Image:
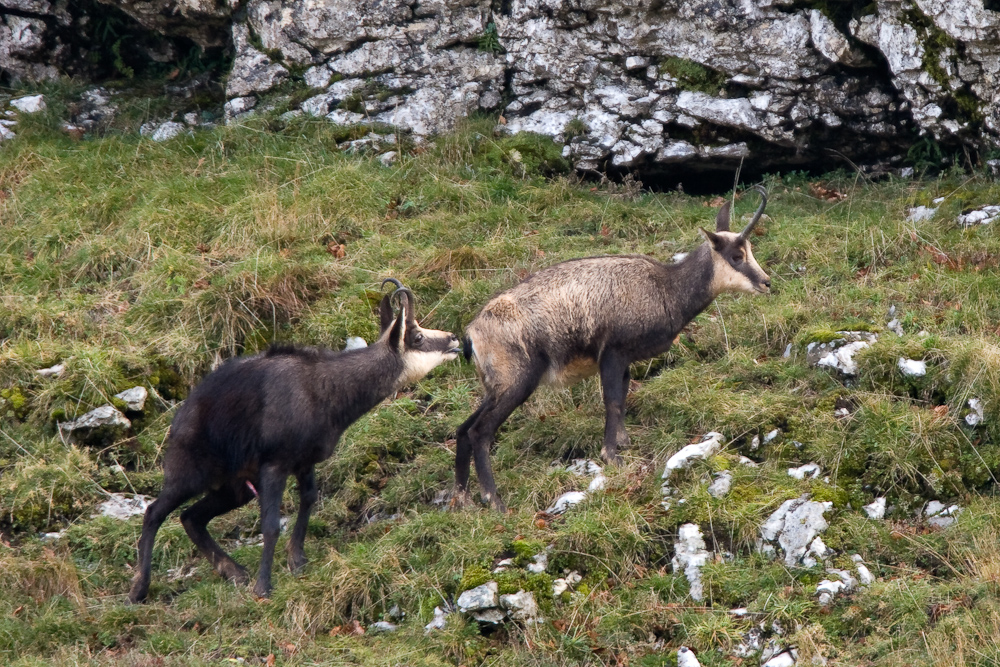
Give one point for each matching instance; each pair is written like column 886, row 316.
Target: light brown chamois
column 586, row 316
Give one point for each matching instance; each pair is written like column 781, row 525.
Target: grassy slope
column 141, row 263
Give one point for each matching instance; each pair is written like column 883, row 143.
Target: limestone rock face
column 625, row 84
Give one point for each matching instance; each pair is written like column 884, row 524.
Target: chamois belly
column 577, row 369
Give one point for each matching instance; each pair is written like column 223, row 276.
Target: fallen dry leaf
column 716, row 202
column 825, row 193
column 336, row 249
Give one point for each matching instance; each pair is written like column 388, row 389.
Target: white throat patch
column 417, row 364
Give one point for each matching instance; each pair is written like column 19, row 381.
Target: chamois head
column 421, row 349
column 735, row 268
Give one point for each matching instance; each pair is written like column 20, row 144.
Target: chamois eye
column 418, row 338
column 737, row 258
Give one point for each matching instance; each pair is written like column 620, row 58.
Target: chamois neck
column 691, row 283
column 371, row 374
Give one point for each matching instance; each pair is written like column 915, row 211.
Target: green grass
column 133, row 262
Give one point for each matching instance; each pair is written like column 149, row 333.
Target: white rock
column 981, row 216
column 976, row 417
column 597, row 484
column 809, row 470
column 239, row 107
column 106, row 415
column 52, row 371
column 828, row 589
column 722, row 484
column 839, row 354
column 521, row 606
column 382, row 627
column 794, row 527
column 541, row 561
column 690, row 556
column 710, row 445
column 29, row 104
column 875, row 509
column 912, row 367
column 687, row 658
column 840, row 413
column 317, row 76
column 354, row 343
column 939, row 515
column 865, row 576
column 438, row 622
column 503, row 565
column 52, row 537
column 895, row 327
column 479, row 598
column 135, row 398
column 121, row 506
column 6, row 134
column 920, row 213
column 783, row 659
column 388, row 158
column 565, row 501
column 770, row 436
column 748, row 462
column 167, row 130
column 584, row 467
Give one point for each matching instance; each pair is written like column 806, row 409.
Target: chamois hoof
column 235, row 573
column 460, row 499
column 297, row 563
column 262, row 591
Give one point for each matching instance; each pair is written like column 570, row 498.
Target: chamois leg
column 271, row 489
column 463, row 458
column 307, row 498
column 483, row 431
column 195, row 520
column 170, row 498
column 614, row 383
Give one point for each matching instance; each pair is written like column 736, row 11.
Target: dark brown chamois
column 586, row 316
column 256, row 420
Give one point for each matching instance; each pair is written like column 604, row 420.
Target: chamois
column 256, row 420
column 586, row 316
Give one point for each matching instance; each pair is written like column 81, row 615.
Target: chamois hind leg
column 614, row 383
column 171, row 497
column 463, row 458
column 307, row 498
column 482, row 432
column 271, row 488
column 195, row 520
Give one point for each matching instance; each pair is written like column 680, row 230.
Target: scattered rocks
column 938, row 515
column 95, row 110
column 479, row 600
column 875, row 509
column 382, row 627
column 438, row 622
column 807, row 471
column 710, row 445
column 388, row 158
column 895, row 327
column 135, row 398
column 6, row 133
column 976, row 415
column 563, row 584
column 920, row 213
column 355, row 343
column 786, row 658
column 687, row 658
column 864, row 574
column 521, row 606
column 565, row 501
column 29, row 104
column 239, row 107
column 539, row 563
column 979, row 216
column 104, row 416
column 167, row 131
column 828, row 589
column 690, row 555
column 52, row 371
column 839, row 354
column 581, row 468
column 483, row 605
column 795, row 528
column 722, row 484
column 121, row 506
column 912, row 367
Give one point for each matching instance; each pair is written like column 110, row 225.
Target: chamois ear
column 385, row 314
column 722, row 219
column 712, row 238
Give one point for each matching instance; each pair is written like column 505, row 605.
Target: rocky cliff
column 648, row 85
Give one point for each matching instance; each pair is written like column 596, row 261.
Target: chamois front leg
column 614, row 384
column 307, row 498
column 271, row 489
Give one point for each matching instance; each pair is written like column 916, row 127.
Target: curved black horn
column 756, row 216
column 395, row 282
column 406, row 291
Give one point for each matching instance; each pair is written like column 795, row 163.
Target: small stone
column 939, row 515
column 503, row 565
column 395, row 614
column 382, row 627
column 687, row 658
column 191, row 119
column 52, row 371
column 135, row 398
column 771, row 436
column 994, row 166
column 809, row 470
column 239, row 106
column 976, row 417
column 388, row 158
column 876, row 509
column 895, row 327
column 438, row 622
column 120, row 506
column 541, row 561
column 636, row 62
column 106, row 415
column 906, row 172
column 584, row 467
column 597, row 484
column 167, row 131
column 783, row 659
column 794, row 527
column 690, row 555
column 565, row 501
column 52, row 537
column 29, row 104
column 864, row 574
column 722, row 484
column 355, row 343
column 981, row 216
column 788, row 351
column 479, row 598
column 912, row 367
column 6, row 134
column 521, row 606
column 920, row 213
